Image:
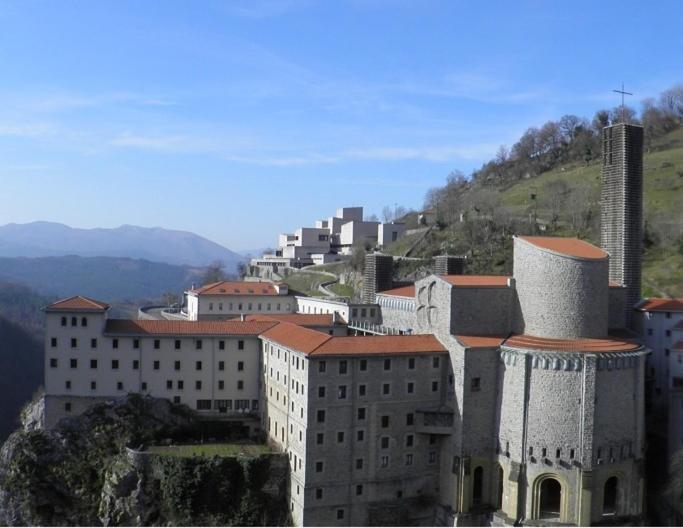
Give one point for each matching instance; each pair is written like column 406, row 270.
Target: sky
column 238, row 120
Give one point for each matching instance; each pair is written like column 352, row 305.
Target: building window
column 240, row 344
column 53, row 342
column 475, row 384
column 319, row 493
column 73, row 363
column 321, row 392
column 340, row 437
column 411, row 387
column 144, row 385
column 240, row 385
column 410, row 440
column 386, row 389
column 198, row 365
column 136, row 343
column 177, row 344
column 341, row 393
column 343, row 367
column 435, row 386
column 176, row 400
column 74, row 321
column 74, row 342
column 363, row 366
column 387, row 364
column 156, row 365
column 221, row 365
column 240, row 366
column 361, row 413
column 119, row 385
column 649, row 331
column 198, row 344
column 384, row 442
column 436, row 362
column 320, row 438
column 359, row 463
column 181, row 384
column 322, row 366
column 319, row 467
column 385, row 421
column 410, row 419
column 384, row 462
column 176, row 365
column 198, row 385
column 360, row 436
column 359, row 489
column 115, row 343
column 221, row 385
column 93, row 342
column 136, row 364
column 409, row 459
column 169, row 384
column 114, row 364
column 432, row 457
column 340, row 514
column 157, row 344
column 361, row 390
column 53, row 362
column 321, row 416
column 67, row 384
column 93, row 364
column 63, row 321
column 221, row 345
column 411, row 363
column 203, row 405
column 67, row 407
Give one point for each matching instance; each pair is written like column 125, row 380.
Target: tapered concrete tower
column 622, row 207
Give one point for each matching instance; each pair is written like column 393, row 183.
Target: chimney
column 243, row 317
column 449, row 265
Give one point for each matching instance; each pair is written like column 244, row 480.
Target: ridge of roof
column 658, row 304
column 145, row 327
column 236, row 288
column 77, row 303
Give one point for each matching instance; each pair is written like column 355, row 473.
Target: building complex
column 477, row 399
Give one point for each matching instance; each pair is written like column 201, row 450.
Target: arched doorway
column 609, row 498
column 500, row 489
column 477, row 486
column 550, row 499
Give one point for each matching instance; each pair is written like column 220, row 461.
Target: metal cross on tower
column 623, row 93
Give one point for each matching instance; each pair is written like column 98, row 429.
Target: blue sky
column 241, row 119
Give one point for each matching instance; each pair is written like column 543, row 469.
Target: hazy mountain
column 47, row 239
column 106, row 278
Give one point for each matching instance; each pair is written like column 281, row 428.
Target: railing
column 376, row 329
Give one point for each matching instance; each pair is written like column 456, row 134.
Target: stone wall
column 560, row 296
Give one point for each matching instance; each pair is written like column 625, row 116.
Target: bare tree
column 214, row 273
column 502, row 155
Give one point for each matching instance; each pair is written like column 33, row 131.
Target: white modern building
column 330, row 238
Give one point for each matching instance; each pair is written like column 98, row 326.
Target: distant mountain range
column 47, row 239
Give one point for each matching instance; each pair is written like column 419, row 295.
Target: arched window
column 550, row 499
column 500, row 490
column 477, row 486
column 609, row 500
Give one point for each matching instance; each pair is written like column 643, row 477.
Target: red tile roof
column 236, row 288
column 380, row 345
column 297, row 319
column 570, row 345
column 78, row 304
column 661, row 305
column 314, row 343
column 296, row 337
column 572, row 247
column 404, row 291
column 476, row 281
column 186, row 328
column 481, row 341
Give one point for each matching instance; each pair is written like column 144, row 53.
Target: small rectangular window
column 359, row 463
column 136, row 364
column 198, row 365
column 74, row 342
column 322, row 366
column 115, row 364
column 157, row 344
column 410, row 419
column 321, row 392
column 119, row 385
column 221, row 345
column 359, row 489
column 176, row 344
column 411, row 387
column 198, row 344
column 340, row 437
column 436, row 362
column 343, row 367
column 136, row 343
column 176, row 365
column 410, row 440
column 93, row 342
column 240, row 344
column 115, row 343
column 320, row 438
column 321, row 416
column 198, row 385
column 361, row 390
column 156, row 365
column 363, row 365
column 386, row 389
column 169, row 384
column 387, row 364
column 181, row 384
column 385, row 421
column 411, row 363
column 341, row 392
column 53, row 342
column 361, row 413
column 475, row 384
column 53, row 362
column 221, row 385
column 240, row 385
column 240, row 366
column 93, row 363
column 435, row 386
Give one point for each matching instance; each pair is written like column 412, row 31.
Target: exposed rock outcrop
column 88, row 471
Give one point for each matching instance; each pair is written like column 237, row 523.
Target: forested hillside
column 549, row 183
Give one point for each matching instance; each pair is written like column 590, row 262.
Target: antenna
column 623, row 93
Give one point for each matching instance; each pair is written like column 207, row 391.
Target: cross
column 623, row 93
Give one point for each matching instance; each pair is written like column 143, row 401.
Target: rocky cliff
column 89, row 470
